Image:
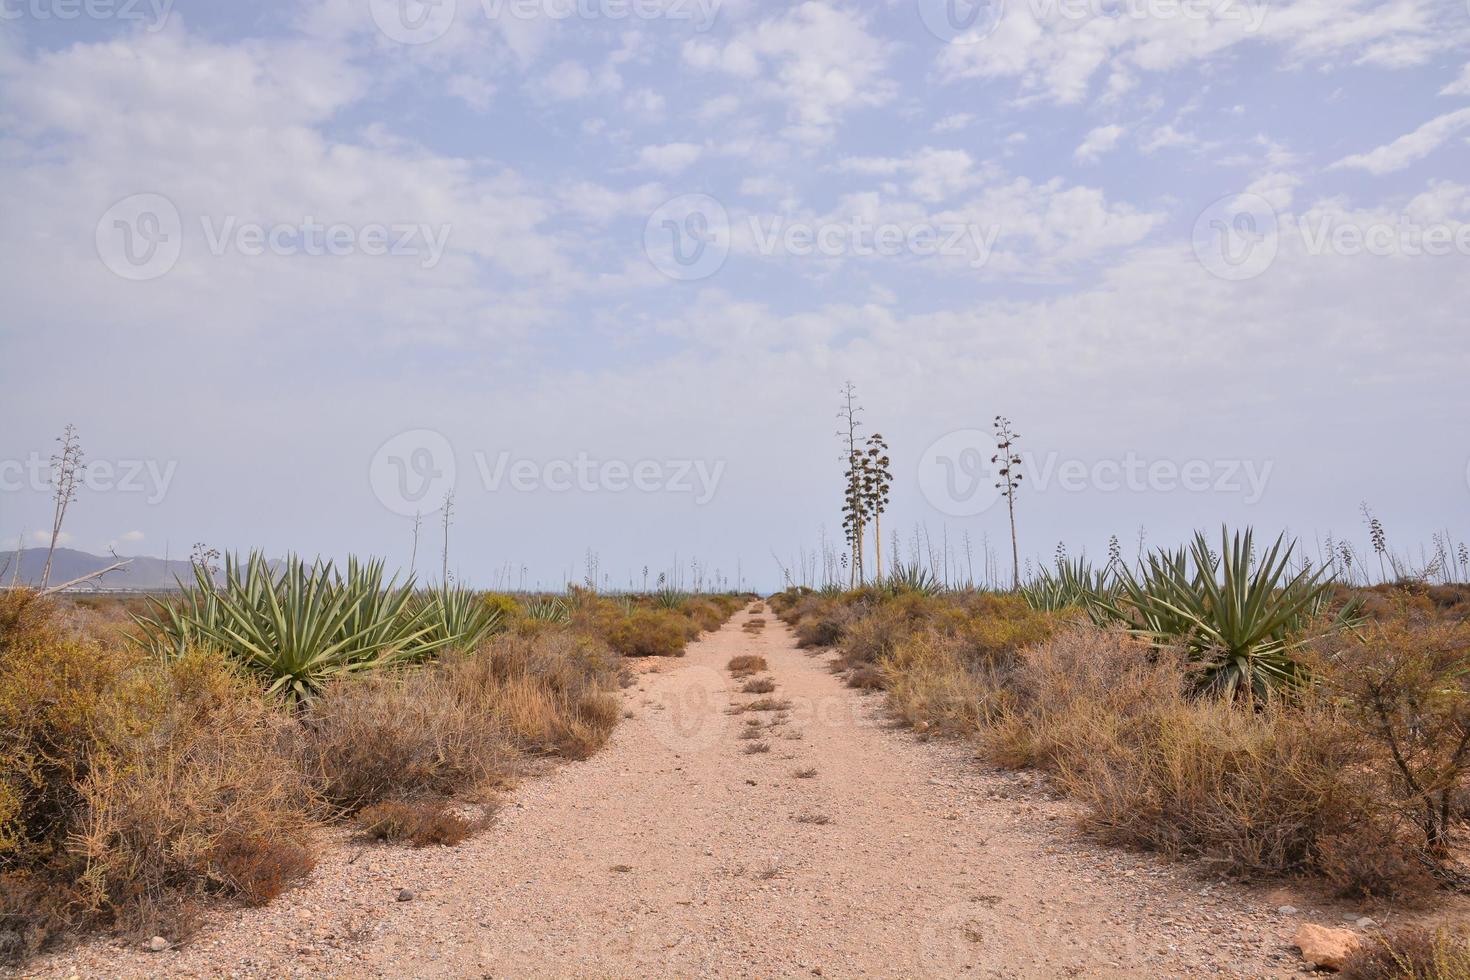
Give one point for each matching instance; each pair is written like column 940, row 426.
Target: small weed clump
column 746, row 664
column 758, row 685
column 421, row 824
column 1410, row 954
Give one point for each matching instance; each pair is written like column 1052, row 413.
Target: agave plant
column 300, row 627
column 548, row 610
column 455, row 617
column 1239, row 620
column 669, row 598
column 1074, row 583
column 912, row 578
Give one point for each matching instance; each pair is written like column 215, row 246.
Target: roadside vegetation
column 155, row 756
column 1223, row 701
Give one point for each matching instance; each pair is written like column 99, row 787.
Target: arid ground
column 843, row 847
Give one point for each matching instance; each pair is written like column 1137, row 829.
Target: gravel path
column 678, row 852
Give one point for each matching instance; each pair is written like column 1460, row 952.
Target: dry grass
column 650, row 633
column 768, row 704
column 818, row 819
column 807, row 773
column 421, row 823
column 130, row 788
column 756, row 748
column 746, row 664
column 758, row 685
column 1411, row 954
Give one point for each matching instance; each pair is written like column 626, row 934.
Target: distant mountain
column 143, row 574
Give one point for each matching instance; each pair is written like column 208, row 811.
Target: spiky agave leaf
column 1239, row 620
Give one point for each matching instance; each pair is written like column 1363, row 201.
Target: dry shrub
column 874, row 635
column 1251, row 792
column 127, row 787
column 206, row 792
column 746, row 664
column 706, row 614
column 768, row 704
column 420, row 823
column 455, row 726
column 1410, row 954
column 649, row 633
column 759, row 685
column 1405, row 684
column 820, row 621
column 934, row 686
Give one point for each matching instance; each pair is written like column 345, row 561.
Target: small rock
column 405, row 895
column 1367, row 923
column 157, row 944
column 1287, row 910
column 1325, row 947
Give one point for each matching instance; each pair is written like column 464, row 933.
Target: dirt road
column 679, row 851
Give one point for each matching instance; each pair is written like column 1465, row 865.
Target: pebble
column 405, row 895
column 157, row 944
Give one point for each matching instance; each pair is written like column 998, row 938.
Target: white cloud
column 669, row 158
column 816, row 58
column 473, row 91
column 645, row 103
column 1056, row 57
column 1098, row 142
column 566, row 81
column 954, row 122
column 1460, row 86
column 1410, row 148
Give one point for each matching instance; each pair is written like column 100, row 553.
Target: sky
column 599, row 269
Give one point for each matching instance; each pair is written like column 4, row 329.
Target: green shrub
column 649, row 633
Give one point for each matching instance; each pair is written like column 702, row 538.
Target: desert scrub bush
column 1404, row 682
column 758, row 685
column 1410, row 954
column 820, row 621
column 128, row 786
column 422, row 823
column 457, row 726
column 649, row 633
column 1253, row 792
column 872, row 636
column 934, row 686
column 707, row 615
column 746, row 664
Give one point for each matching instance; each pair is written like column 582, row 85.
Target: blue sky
column 1158, row 234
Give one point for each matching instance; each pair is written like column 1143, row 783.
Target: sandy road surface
column 675, row 852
